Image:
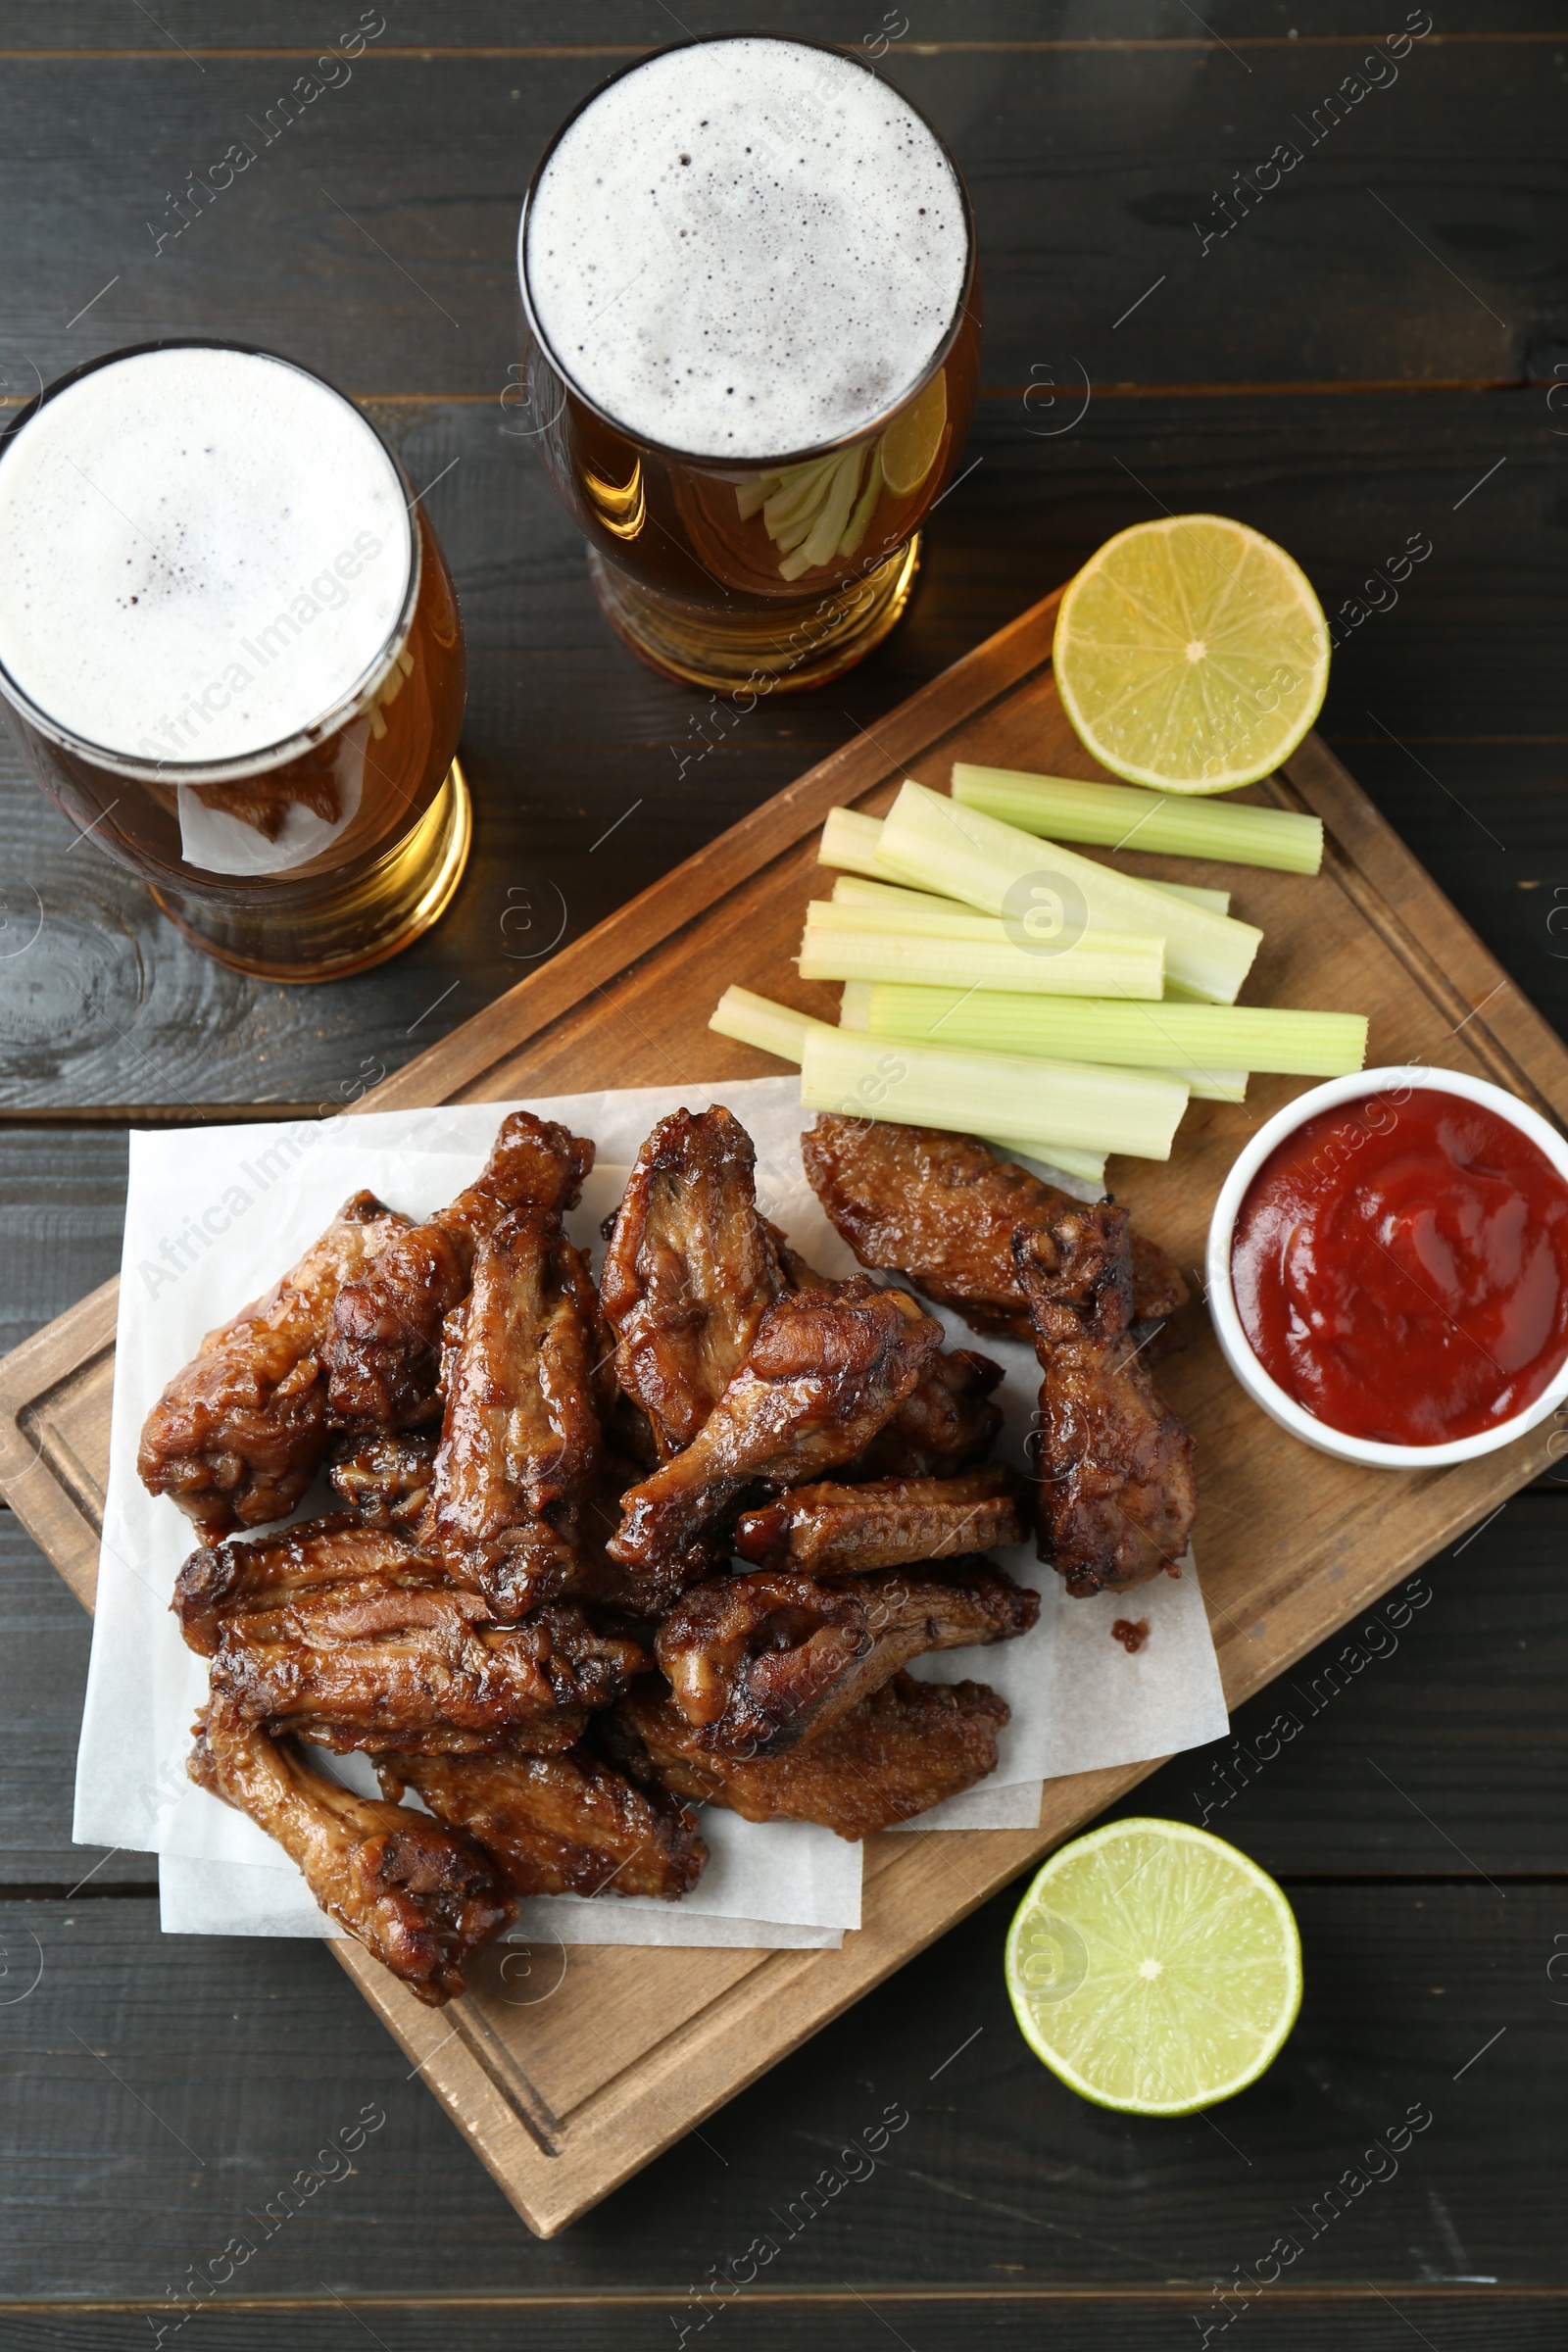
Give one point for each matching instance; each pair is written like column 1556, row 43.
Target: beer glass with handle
column 749, row 278
column 230, row 652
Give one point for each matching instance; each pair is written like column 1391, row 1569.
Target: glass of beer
column 230, row 652
column 750, row 283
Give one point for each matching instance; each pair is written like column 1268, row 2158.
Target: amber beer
column 748, row 276
column 230, row 652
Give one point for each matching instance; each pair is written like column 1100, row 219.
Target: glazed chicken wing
column 1117, row 1497
column 690, row 1271
column 828, row 1530
column 378, row 1666
column 418, row 1897
column 826, row 1371
column 237, row 1436
column 383, row 1477
column 943, row 1210
column 560, row 1825
column 759, row 1663
column 298, row 1564
column 896, row 1754
column 384, row 1348
column 528, row 1376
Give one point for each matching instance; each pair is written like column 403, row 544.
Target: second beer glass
column 749, row 274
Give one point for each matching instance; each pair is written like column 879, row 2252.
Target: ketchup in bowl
column 1402, row 1269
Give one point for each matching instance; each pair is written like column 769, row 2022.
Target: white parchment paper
column 214, row 1216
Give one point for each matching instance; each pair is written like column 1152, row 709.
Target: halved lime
column 913, row 441
column 1190, row 655
column 1154, row 1967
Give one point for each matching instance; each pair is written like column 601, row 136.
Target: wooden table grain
column 1377, row 349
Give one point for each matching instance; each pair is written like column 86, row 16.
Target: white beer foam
column 202, row 552
column 745, row 249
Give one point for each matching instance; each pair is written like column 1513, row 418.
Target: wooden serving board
column 564, row 2097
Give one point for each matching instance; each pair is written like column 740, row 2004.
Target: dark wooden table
column 1375, row 350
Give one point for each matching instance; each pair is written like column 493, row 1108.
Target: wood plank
column 1133, row 134
column 1292, row 1543
column 999, row 2181
column 566, row 733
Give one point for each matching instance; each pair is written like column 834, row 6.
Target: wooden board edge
column 44, row 1501
column 1449, row 956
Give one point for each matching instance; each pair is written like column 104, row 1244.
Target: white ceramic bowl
column 1397, row 1085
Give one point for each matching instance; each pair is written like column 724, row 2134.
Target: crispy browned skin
column 302, row 1563
column 560, row 1825
column 941, row 1209
column 758, row 1663
column 689, row 1272
column 1117, row 1495
column 237, row 1436
column 825, row 1371
column 418, row 1897
column 896, row 1754
column 384, row 1348
column 946, row 1421
column 389, row 1663
column 528, row 1376
column 383, row 1477
column 838, row 1530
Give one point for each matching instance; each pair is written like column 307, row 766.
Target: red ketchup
column 1402, row 1268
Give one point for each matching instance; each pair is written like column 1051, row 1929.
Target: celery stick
column 918, row 916
column 855, row 1006
column 1101, row 963
column 1119, row 816
column 935, row 844
column 759, row 1021
column 1088, row 1166
column 1215, row 1086
column 1212, row 901
column 1164, row 1036
column 855, row 890
column 1071, row 1103
column 849, row 840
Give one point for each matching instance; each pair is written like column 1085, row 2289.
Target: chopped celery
column 849, row 841
column 1088, row 1166
column 759, row 1021
column 1224, row 1038
column 1119, row 816
column 1101, row 963
column 1073, row 1104
column 938, row 843
column 855, row 1006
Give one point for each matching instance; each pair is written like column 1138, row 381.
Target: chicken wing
column 528, row 1377
column 381, row 1665
column 1117, row 1497
column 689, row 1273
column 896, row 1754
column 943, row 1210
column 830, row 1529
column 384, row 1348
column 384, row 1477
column 237, row 1436
column 302, row 1563
column 418, row 1897
column 560, row 1825
column 825, row 1372
column 759, row 1663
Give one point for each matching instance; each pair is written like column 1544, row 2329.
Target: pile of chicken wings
column 528, row 1610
